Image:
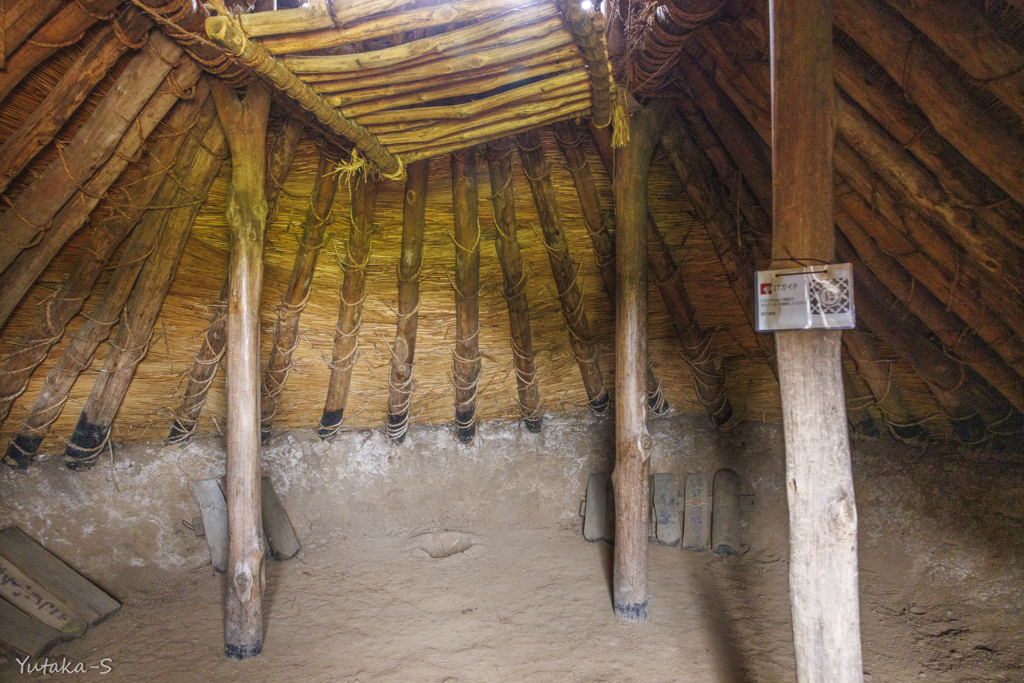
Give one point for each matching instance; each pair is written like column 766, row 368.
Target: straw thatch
column 727, row 48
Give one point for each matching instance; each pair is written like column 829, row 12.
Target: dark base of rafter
column 330, row 421
column 84, row 445
column 242, row 651
column 911, row 433
column 866, row 429
column 635, row 612
column 178, row 435
column 657, row 403
column 723, row 416
column 265, row 436
column 465, row 434
column 600, row 404
column 395, row 421
column 21, row 450
column 970, row 430
column 534, row 424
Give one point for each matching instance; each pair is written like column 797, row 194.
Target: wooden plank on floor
column 666, row 509
column 215, row 520
column 696, row 513
column 26, row 593
column 595, row 518
column 276, row 526
column 24, row 633
column 80, row 595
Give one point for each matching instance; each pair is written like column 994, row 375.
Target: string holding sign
column 808, row 298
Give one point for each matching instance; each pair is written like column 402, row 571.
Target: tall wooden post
column 632, row 442
column 822, row 514
column 404, row 352
column 245, row 123
column 466, row 354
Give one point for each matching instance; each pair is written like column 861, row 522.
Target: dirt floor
column 942, row 585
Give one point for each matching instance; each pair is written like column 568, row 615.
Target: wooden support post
column 563, row 268
column 22, row 225
column 245, row 123
column 61, row 308
column 70, row 91
column 286, row 330
column 632, row 442
column 403, row 353
column 822, row 512
column 596, row 220
column 131, row 343
column 499, row 164
column 32, row 261
column 362, row 203
column 211, row 350
column 57, row 387
column 709, row 381
column 466, row 353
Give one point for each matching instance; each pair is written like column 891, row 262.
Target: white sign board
column 811, row 298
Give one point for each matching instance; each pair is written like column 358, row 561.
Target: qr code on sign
column 830, row 296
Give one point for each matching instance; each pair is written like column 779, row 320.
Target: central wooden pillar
column 632, row 442
column 819, row 480
column 245, row 124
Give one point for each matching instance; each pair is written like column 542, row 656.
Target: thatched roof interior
column 739, row 30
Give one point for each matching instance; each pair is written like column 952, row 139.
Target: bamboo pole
column 16, row 280
column 31, row 214
column 76, row 358
column 595, row 220
column 892, row 403
column 131, row 342
column 383, row 25
column 245, row 124
column 36, row 131
column 64, row 28
column 61, row 308
column 504, row 25
column 363, row 200
column 211, row 350
column 358, row 103
column 466, row 352
column 894, row 43
column 632, row 442
column 499, row 165
column 486, row 53
column 403, row 353
column 956, row 337
column 502, row 123
column 225, row 34
column 563, row 268
column 286, row 331
column 709, row 381
column 822, row 512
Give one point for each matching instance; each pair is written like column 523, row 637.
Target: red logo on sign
column 766, row 288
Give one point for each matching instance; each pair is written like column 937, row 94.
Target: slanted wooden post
column 499, row 164
column 632, row 442
column 822, row 513
column 245, row 123
column 466, row 354
column 204, row 365
column 286, row 331
column 564, row 269
column 362, row 204
column 595, row 220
